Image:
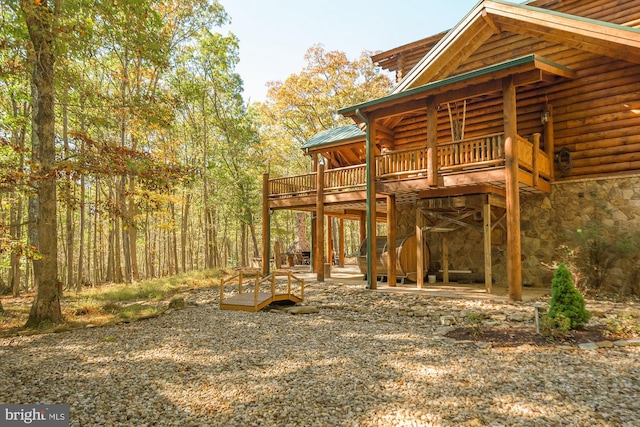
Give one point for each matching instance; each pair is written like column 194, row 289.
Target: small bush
column 566, row 301
column 555, row 329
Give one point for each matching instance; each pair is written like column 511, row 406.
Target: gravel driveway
column 364, row 359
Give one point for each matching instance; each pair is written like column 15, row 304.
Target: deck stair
column 253, row 292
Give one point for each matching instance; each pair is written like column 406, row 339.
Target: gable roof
column 491, row 17
column 333, row 136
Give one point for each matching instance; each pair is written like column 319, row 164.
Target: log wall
column 596, row 115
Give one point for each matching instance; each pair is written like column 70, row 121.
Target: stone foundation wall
column 547, row 222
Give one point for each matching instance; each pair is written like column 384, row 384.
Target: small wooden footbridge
column 254, row 292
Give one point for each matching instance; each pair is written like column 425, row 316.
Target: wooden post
column 372, row 274
column 318, row 255
column 363, row 226
column 391, row 240
column 535, row 156
column 549, row 141
column 330, row 241
column 419, row 250
column 314, row 244
column 341, row 243
column 266, row 239
column 432, row 142
column 486, row 217
column 445, row 259
column 514, row 262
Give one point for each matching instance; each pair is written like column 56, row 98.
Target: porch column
column 432, row 142
column 419, row 249
column 319, row 246
column 486, row 219
column 341, row 243
column 266, row 222
column 549, row 142
column 391, row 240
column 514, row 262
column 372, row 274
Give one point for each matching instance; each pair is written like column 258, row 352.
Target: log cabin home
column 500, row 136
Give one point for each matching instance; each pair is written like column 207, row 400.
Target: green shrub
column 566, row 301
column 555, row 329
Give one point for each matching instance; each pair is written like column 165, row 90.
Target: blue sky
column 275, row 34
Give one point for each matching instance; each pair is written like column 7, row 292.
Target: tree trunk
column 67, row 194
column 40, row 18
column 183, row 232
column 15, row 215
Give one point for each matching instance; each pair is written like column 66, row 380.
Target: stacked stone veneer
column 548, row 221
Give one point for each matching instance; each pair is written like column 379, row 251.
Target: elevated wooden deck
column 251, row 298
column 474, row 162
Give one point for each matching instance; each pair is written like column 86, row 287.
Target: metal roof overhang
column 525, row 70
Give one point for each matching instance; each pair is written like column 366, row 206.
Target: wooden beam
column 486, row 217
column 266, row 241
column 432, row 142
column 461, row 191
column 318, row 255
column 391, row 240
column 514, row 262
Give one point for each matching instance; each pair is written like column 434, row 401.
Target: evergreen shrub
column 567, row 303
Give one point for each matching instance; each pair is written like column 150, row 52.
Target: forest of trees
column 127, row 150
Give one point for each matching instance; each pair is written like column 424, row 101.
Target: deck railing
column 402, row 163
column 455, row 156
column 485, row 151
column 345, row 178
column 297, row 185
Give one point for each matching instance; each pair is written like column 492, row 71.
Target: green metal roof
column 331, row 136
column 448, row 81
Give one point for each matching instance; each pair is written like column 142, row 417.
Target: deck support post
column 319, row 246
column 363, row 226
column 419, row 249
column 445, row 259
column 432, row 142
column 514, row 250
column 372, row 278
column 534, row 159
column 266, row 224
column 549, row 142
column 341, row 243
column 486, row 219
column 391, row 240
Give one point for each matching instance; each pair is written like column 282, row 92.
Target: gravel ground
column 364, row 359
